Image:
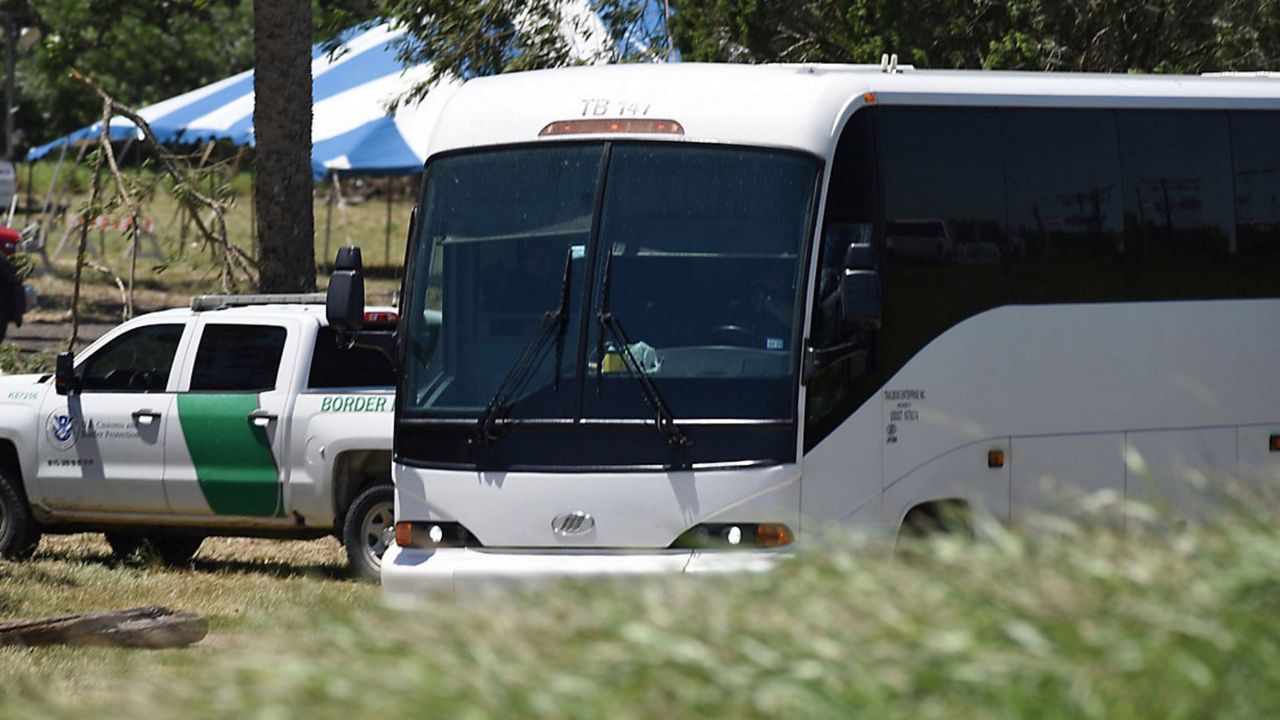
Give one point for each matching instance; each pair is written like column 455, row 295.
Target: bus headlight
column 433, row 535
column 727, row 536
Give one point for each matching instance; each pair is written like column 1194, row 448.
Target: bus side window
column 836, row 386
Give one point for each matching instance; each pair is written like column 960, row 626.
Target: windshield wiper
column 664, row 418
column 554, row 323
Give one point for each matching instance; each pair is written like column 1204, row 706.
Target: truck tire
column 19, row 533
column 124, row 545
column 173, row 550
column 367, row 531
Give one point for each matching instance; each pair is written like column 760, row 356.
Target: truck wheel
column 368, row 530
column 175, row 549
column 170, row 549
column 124, row 545
column 19, row 533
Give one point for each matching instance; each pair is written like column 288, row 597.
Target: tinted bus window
column 838, row 387
column 1177, row 185
column 1255, row 137
column 945, row 232
column 1066, row 209
column 944, row 185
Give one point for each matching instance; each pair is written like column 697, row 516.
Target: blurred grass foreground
column 1108, row 615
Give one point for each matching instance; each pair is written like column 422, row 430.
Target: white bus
column 653, row 322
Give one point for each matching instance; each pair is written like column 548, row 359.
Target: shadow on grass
column 273, row 568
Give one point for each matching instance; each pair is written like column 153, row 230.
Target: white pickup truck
column 243, row 415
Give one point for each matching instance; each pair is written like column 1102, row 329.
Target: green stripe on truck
column 232, row 457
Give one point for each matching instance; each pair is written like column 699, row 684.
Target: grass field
column 1138, row 619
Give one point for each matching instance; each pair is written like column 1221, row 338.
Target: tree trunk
column 282, row 186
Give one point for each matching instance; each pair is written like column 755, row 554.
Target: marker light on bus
column 995, row 458
column 735, row 535
column 432, row 535
column 596, row 126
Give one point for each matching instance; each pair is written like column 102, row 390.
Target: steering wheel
column 733, row 335
column 141, row 380
column 118, row 379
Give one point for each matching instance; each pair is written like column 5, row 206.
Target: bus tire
column 367, row 531
column 19, row 533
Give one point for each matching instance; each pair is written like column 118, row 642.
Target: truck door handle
column 145, row 417
column 261, row 418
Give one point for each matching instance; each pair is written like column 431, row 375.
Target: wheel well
column 9, row 461
column 353, row 472
column 936, row 517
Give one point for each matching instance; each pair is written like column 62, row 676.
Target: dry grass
column 246, row 588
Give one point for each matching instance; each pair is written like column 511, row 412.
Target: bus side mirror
column 65, row 381
column 860, row 298
column 344, row 303
column 860, row 288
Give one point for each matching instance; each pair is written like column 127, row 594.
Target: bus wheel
column 368, row 530
column 19, row 533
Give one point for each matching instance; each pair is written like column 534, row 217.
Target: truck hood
column 23, row 390
column 14, row 382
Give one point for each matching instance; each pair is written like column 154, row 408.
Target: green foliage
column 1111, row 617
column 139, row 51
column 488, row 37
column 1188, row 36
column 12, row 362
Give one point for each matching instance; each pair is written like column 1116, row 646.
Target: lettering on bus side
column 355, row 403
column 900, row 408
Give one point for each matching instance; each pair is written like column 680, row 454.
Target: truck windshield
column 695, row 251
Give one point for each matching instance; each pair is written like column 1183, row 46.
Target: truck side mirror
column 860, row 288
column 65, row 381
column 344, row 303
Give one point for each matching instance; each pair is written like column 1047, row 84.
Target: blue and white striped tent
column 351, row 130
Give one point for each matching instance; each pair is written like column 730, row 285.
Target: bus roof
column 796, row 106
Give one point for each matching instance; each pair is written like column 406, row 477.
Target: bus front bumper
column 410, row 573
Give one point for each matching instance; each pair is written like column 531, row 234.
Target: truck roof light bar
column 217, row 302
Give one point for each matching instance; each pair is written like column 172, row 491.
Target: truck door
column 227, row 435
column 102, row 449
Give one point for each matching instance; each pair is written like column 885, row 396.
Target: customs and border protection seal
column 61, row 429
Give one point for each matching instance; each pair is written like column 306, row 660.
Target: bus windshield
column 694, row 252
